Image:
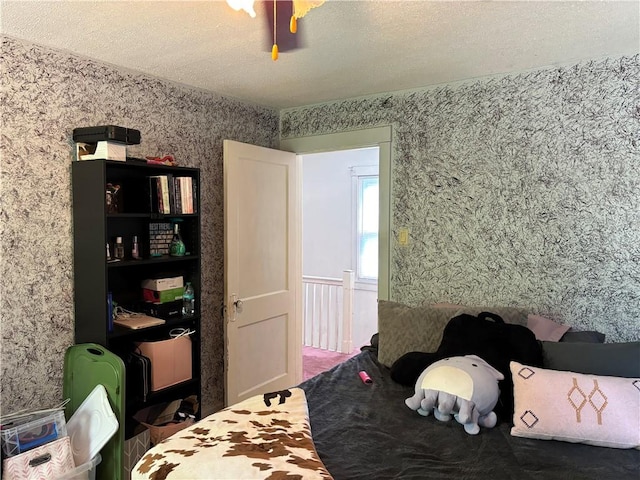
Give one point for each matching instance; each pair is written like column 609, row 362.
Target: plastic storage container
column 91, row 426
column 86, row 471
column 22, row 433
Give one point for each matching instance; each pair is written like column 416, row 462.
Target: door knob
column 238, row 305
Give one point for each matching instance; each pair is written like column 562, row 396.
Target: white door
column 262, row 270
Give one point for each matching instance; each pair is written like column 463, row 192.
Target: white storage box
column 101, row 151
column 161, row 284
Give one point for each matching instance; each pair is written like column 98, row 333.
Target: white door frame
column 370, row 137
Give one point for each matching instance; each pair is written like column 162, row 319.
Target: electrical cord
column 121, row 311
column 173, row 333
column 180, row 332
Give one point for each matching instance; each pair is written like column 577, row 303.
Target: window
column 367, row 227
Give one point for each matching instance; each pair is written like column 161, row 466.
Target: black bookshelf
column 95, row 224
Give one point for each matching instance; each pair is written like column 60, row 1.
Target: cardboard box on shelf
column 160, row 284
column 101, row 151
column 162, row 296
column 160, row 420
column 171, row 361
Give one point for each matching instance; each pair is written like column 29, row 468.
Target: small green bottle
column 177, row 248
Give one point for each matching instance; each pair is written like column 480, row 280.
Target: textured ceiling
column 352, row 48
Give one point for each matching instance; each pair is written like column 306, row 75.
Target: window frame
column 358, row 175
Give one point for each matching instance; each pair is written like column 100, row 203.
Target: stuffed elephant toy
column 465, row 387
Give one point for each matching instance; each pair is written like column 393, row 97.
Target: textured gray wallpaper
column 523, row 190
column 44, row 96
column 517, row 191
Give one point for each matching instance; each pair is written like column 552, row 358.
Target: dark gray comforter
column 366, row 432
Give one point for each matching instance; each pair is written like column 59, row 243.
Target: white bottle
column 119, row 248
column 135, row 250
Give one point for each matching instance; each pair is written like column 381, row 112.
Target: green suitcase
column 85, row 366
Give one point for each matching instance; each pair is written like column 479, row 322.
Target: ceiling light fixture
column 246, row 5
column 274, row 49
column 300, row 9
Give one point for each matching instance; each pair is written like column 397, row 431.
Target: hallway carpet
column 315, row 360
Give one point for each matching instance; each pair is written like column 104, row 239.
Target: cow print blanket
column 264, row 437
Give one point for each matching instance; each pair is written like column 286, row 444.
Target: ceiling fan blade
column 286, row 40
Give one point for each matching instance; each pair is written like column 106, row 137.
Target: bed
column 337, row 426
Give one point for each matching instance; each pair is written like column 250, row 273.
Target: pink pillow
column 546, row 329
column 577, row 408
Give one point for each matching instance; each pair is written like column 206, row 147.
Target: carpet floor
column 316, row 360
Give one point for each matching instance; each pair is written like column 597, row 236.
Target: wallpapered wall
column 45, row 94
column 523, row 190
column 517, row 191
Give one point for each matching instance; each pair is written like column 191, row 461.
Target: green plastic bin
column 85, row 366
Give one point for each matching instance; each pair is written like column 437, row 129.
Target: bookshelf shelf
column 152, row 260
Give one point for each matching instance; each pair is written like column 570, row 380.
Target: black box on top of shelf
column 111, row 133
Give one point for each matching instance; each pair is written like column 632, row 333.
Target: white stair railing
column 328, row 312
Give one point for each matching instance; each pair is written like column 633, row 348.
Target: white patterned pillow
column 574, row 407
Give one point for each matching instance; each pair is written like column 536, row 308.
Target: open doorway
column 340, row 218
column 380, row 137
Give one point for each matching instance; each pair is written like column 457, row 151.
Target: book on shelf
column 194, row 194
column 155, row 195
column 183, row 194
column 186, row 194
column 166, row 196
column 160, row 196
column 186, row 198
column 169, row 194
column 177, row 195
